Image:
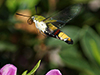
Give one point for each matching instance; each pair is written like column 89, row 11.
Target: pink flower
column 54, row 72
column 8, row 69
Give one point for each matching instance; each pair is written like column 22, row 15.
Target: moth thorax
column 40, row 25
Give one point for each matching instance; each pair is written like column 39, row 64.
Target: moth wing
column 66, row 15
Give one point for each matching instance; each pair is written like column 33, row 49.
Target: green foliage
column 90, row 44
column 26, row 4
column 6, row 46
column 25, row 72
column 83, row 56
column 33, row 70
column 72, row 56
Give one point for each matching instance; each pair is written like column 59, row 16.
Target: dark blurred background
column 22, row 45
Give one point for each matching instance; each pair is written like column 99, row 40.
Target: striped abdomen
column 62, row 36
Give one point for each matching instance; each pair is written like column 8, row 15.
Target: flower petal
column 8, row 69
column 54, row 72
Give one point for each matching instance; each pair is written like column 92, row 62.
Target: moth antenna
column 36, row 9
column 22, row 15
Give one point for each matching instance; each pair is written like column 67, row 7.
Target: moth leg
column 42, row 33
column 48, row 34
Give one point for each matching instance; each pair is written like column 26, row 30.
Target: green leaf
column 11, row 4
column 83, row 73
column 91, row 45
column 25, row 72
column 73, row 59
column 97, row 26
column 28, row 4
column 35, row 68
column 7, row 46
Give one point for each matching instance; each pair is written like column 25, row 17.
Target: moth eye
column 29, row 21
